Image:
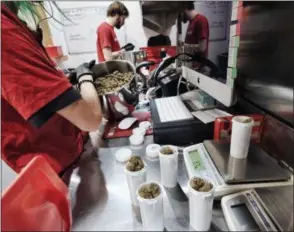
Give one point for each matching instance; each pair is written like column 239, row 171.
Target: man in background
column 108, row 47
column 197, row 35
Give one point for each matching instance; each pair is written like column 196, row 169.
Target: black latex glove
column 85, row 69
column 128, row 47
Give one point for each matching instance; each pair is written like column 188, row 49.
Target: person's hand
column 118, row 54
column 128, row 47
column 84, row 71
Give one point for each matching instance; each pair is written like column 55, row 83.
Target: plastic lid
column 136, row 139
column 145, row 124
column 152, row 150
column 139, row 130
column 123, row 155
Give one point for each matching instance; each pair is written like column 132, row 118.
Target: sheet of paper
column 209, row 115
column 217, row 113
column 203, row 117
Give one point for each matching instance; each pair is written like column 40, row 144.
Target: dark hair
column 117, row 8
column 188, row 5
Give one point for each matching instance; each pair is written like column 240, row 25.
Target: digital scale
column 259, row 210
column 230, row 175
column 243, row 212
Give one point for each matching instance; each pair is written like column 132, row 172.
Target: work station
column 147, row 116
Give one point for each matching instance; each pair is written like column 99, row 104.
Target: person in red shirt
column 197, row 35
column 108, row 47
column 42, row 113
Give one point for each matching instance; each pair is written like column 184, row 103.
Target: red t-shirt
column 106, row 38
column 30, row 82
column 198, row 29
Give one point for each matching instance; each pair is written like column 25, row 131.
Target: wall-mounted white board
column 81, row 35
column 217, row 14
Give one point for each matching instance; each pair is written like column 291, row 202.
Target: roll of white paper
column 151, row 211
column 135, row 179
column 169, row 167
column 200, row 208
column 240, row 138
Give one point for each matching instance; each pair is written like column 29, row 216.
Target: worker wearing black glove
column 43, row 116
column 84, row 69
column 84, row 73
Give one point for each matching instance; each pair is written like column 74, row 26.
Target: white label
column 230, row 82
column 232, row 42
column 229, row 73
column 234, row 14
column 233, row 30
column 233, row 52
column 232, row 57
column 231, row 62
column 235, row 4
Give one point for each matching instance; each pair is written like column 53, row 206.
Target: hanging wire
column 51, row 15
column 58, row 8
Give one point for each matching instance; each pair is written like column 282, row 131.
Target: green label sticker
column 230, row 82
column 234, row 41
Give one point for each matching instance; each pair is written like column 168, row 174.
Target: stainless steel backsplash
column 265, row 57
column 265, row 66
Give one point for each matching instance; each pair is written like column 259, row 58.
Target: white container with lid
column 139, row 131
column 240, row 138
column 151, row 210
column 169, row 167
column 136, row 139
column 200, row 207
column 152, row 151
column 145, row 125
column 135, row 179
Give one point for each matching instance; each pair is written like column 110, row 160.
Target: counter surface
column 101, row 200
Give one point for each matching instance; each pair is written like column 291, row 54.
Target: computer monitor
column 219, row 15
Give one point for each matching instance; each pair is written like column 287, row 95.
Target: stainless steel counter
column 101, row 200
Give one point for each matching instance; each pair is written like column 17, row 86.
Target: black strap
column 84, row 81
column 44, row 114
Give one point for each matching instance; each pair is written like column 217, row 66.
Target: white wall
column 135, row 32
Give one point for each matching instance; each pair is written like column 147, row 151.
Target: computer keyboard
column 172, row 109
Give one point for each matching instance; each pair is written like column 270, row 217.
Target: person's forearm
column 197, row 47
column 115, row 55
column 109, row 55
column 191, row 45
column 89, row 94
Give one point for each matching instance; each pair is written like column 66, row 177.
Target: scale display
column 243, row 212
column 198, row 163
column 196, row 160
